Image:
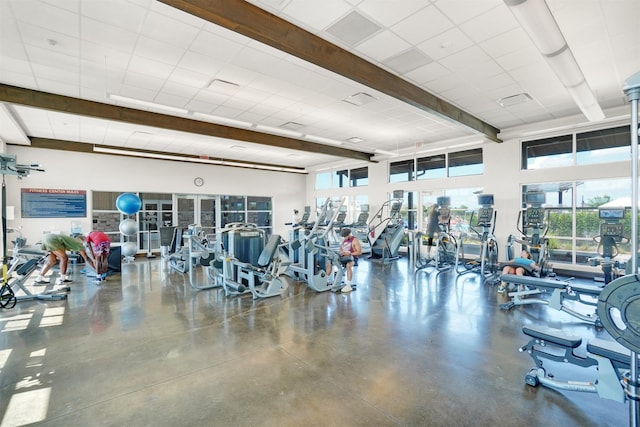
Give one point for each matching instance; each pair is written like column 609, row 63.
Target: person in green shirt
column 57, row 245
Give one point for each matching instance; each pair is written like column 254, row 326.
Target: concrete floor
column 147, row 350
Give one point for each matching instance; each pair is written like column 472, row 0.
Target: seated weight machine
column 540, row 286
column 261, row 277
column 487, row 263
column 24, row 262
column 446, row 245
column 611, row 366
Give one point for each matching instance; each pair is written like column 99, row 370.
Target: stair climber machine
column 446, row 248
column 386, row 230
column 309, row 253
column 360, row 229
column 540, row 286
column 483, row 236
column 611, row 234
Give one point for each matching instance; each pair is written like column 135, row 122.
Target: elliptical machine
column 487, row 263
column 611, row 234
column 446, row 246
column 535, row 225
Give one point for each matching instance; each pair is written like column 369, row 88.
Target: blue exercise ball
column 128, row 203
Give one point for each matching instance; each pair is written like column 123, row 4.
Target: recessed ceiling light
column 359, row 99
column 510, row 101
column 355, row 139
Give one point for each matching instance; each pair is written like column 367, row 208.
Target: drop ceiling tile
column 422, row 25
column 106, row 35
column 445, row 44
column 389, row 13
column 149, row 68
column 169, row 30
column 460, row 11
column 149, row 48
column 116, row 13
column 427, row 73
column 47, row 16
column 496, row 21
column 315, row 15
column 382, row 45
column 353, row 28
column 408, row 60
column 507, row 42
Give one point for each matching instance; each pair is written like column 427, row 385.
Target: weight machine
column 24, row 262
column 487, row 263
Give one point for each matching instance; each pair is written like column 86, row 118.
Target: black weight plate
column 619, row 311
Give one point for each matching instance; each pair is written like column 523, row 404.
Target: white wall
column 82, row 171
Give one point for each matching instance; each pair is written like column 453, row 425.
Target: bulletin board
column 53, row 203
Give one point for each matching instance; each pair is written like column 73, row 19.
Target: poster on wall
column 53, row 203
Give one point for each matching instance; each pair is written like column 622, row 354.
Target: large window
column 342, row 178
column 467, row 162
column 599, row 146
column 401, row 171
column 574, row 229
column 359, row 177
column 431, row 167
column 607, row 145
column 548, row 153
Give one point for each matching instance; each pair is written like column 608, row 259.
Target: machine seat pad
column 269, row 251
column 611, row 350
column 27, row 267
column 593, row 290
column 554, row 336
column 533, row 281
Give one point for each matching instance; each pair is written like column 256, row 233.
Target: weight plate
column 619, row 310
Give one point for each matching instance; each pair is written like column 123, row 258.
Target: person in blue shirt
column 519, row 266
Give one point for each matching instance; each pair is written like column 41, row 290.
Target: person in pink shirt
column 99, row 245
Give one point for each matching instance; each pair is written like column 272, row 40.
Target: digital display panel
column 611, row 230
column 485, row 215
column 534, row 198
column 534, row 215
column 612, row 213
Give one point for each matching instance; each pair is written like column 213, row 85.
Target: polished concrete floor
column 147, row 350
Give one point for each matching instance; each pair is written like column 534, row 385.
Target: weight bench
column 262, row 280
column 560, row 291
column 609, row 360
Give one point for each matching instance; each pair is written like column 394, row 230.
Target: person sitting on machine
column 519, row 266
column 57, row 245
column 350, row 249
